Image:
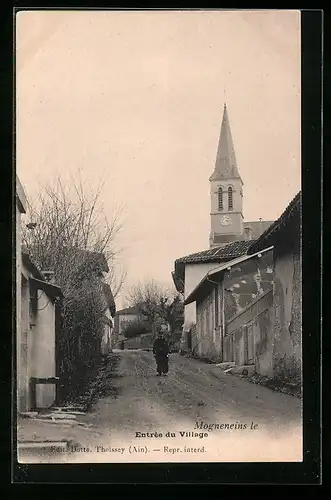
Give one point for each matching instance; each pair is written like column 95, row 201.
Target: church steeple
column 226, row 164
column 226, row 191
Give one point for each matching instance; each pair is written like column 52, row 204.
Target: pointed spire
column 225, row 165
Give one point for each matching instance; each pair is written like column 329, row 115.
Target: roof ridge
column 211, row 252
column 286, row 215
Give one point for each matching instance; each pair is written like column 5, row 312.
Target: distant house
column 223, row 293
column 107, row 342
column 122, row 319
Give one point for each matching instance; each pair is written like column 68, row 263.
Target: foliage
column 135, row 329
column 68, row 219
column 74, row 239
column 157, row 304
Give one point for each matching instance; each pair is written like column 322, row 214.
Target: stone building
column 37, row 323
column 37, row 362
column 224, row 293
column 285, row 336
column 249, row 309
column 122, row 319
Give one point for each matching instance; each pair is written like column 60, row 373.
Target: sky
column 136, row 98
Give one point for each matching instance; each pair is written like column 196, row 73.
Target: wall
column 22, row 346
column 193, row 275
column 252, row 324
column 21, row 205
column 247, row 279
column 273, row 320
column 144, row 341
column 123, row 318
column 287, row 353
column 42, row 349
column 108, row 339
column 207, row 338
column 37, row 351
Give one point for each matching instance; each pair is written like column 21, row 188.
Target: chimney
column 248, row 233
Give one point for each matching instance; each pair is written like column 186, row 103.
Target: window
column 220, row 199
column 230, row 198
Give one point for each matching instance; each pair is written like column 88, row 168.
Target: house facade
column 286, row 308
column 122, row 318
column 37, row 322
column 37, row 373
column 191, row 269
column 248, row 337
column 223, row 293
column 21, row 207
column 249, row 309
column 108, row 340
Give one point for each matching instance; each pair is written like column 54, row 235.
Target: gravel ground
column 195, row 398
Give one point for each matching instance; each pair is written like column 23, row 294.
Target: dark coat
column 160, row 347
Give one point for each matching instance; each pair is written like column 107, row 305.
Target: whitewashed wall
column 193, row 275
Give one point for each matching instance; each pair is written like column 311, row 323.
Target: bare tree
column 156, row 303
column 70, row 218
column 70, row 235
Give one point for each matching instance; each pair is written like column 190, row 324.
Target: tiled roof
column 128, row 310
column 225, row 252
column 267, row 238
column 216, row 274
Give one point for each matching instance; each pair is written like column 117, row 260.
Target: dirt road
column 196, row 407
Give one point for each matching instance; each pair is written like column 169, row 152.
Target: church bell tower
column 226, row 191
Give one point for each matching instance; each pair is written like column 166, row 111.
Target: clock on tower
column 226, row 220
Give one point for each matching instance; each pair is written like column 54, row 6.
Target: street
column 196, row 413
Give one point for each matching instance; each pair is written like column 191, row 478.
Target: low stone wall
column 144, row 341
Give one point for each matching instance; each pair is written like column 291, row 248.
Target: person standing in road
column 161, row 353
